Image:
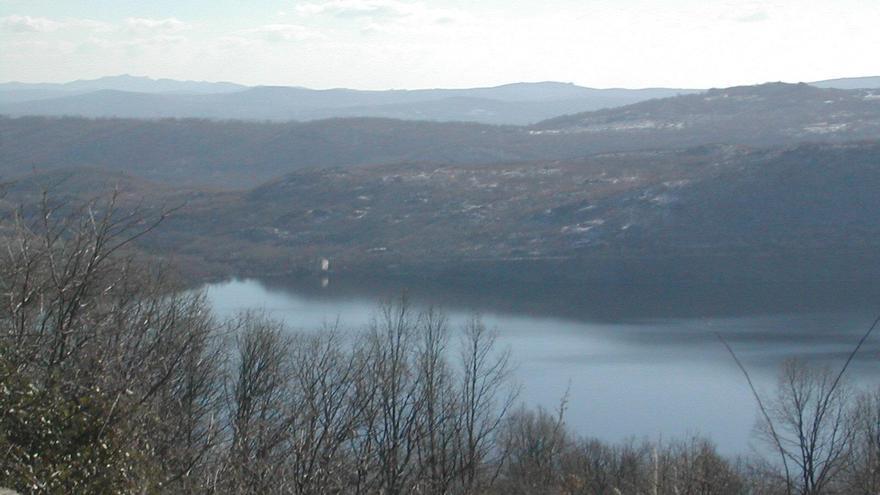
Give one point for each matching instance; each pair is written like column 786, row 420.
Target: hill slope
column 872, row 82
column 718, row 202
column 601, row 216
column 763, row 115
column 244, row 154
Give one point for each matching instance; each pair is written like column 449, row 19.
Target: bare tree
column 863, row 469
column 189, row 428
column 590, row 466
column 439, row 424
column 79, row 318
column 61, row 259
column 486, row 398
column 394, row 374
column 534, row 442
column 692, row 467
column 812, row 427
column 325, row 377
column 260, row 407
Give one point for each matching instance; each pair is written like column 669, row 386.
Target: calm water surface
column 628, row 377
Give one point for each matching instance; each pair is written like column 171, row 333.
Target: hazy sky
column 377, row 44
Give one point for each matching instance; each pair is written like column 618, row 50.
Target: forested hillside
column 244, row 154
column 721, row 204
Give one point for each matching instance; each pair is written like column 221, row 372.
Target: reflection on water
column 636, row 373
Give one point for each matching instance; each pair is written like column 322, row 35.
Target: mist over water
column 642, row 362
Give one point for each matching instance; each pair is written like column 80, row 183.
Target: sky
column 383, row 44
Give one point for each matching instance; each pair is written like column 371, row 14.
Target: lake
column 642, row 363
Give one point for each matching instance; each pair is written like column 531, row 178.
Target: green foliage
column 54, row 440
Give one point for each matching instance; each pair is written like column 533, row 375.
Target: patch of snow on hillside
column 581, row 228
column 725, row 96
column 676, row 183
column 825, row 127
column 620, row 126
column 630, row 125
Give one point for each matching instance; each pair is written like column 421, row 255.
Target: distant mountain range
column 16, row 91
column 138, row 97
column 128, row 96
column 241, row 154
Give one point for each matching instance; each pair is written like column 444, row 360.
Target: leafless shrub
column 535, row 442
column 811, row 414
column 260, row 406
column 79, row 318
column 325, row 376
column 862, row 472
column 486, row 397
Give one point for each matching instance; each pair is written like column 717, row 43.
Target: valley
column 689, row 177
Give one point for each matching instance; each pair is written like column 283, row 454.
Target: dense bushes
column 55, row 441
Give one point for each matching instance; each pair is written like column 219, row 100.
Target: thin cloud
column 148, row 25
column 27, row 24
column 355, row 8
column 283, row 33
column 379, row 10
column 753, row 17
column 748, row 11
column 89, row 25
